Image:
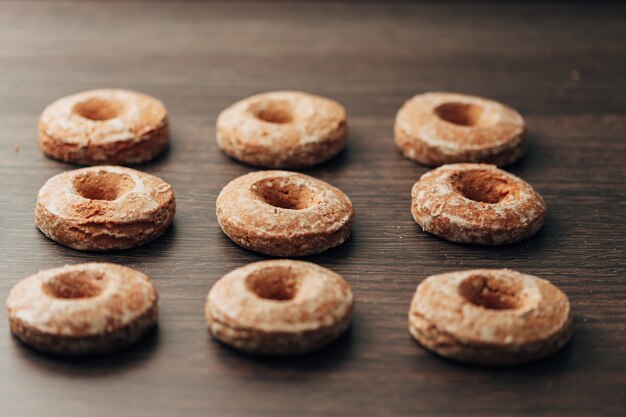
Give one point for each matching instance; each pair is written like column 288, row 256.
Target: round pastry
column 477, row 203
column 104, row 208
column 104, row 127
column 279, row 307
column 282, row 129
column 442, row 128
column 284, row 213
column 490, row 316
column 82, row 309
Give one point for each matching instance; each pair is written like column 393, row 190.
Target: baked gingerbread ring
column 477, row 203
column 118, row 127
column 490, row 316
column 284, row 213
column 104, row 208
column 279, row 307
column 82, row 309
column 282, row 129
column 442, row 128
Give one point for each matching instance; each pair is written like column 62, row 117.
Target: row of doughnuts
column 281, row 213
column 284, row 129
column 288, row 214
column 287, row 307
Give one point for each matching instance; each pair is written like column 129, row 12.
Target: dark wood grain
column 561, row 66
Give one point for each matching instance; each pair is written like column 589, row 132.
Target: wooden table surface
column 562, row 66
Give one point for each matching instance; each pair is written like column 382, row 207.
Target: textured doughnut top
column 280, row 296
column 492, row 306
column 82, row 300
column 98, row 117
column 477, row 203
column 283, row 203
column 282, row 129
column 105, row 193
column 453, row 126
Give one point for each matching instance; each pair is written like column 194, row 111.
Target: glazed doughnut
column 104, row 208
column 279, row 307
column 477, row 203
column 442, row 128
column 490, row 316
column 82, row 309
column 284, row 213
column 104, row 127
column 282, row 129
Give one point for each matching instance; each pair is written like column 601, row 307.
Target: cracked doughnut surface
column 442, row 128
column 477, row 203
column 490, row 316
column 279, row 307
column 82, row 309
column 282, row 129
column 284, row 213
column 104, row 208
column 107, row 126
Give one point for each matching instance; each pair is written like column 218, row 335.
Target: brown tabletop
column 562, row 66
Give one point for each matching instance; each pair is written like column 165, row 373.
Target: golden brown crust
column 284, row 213
column 104, row 208
column 442, row 128
column 490, row 316
column 104, row 127
column 82, row 309
column 477, row 203
column 282, row 129
column 279, row 307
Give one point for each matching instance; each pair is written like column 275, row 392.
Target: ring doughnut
column 282, row 129
column 490, row 316
column 442, row 128
column 104, row 208
column 279, row 307
column 82, row 309
column 477, row 203
column 284, row 213
column 104, row 127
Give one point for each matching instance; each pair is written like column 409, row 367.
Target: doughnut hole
column 273, row 111
column 103, row 185
column 463, row 114
column 274, row 283
column 75, row 284
column 98, row 109
column 491, row 293
column 483, row 186
column 284, row 194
